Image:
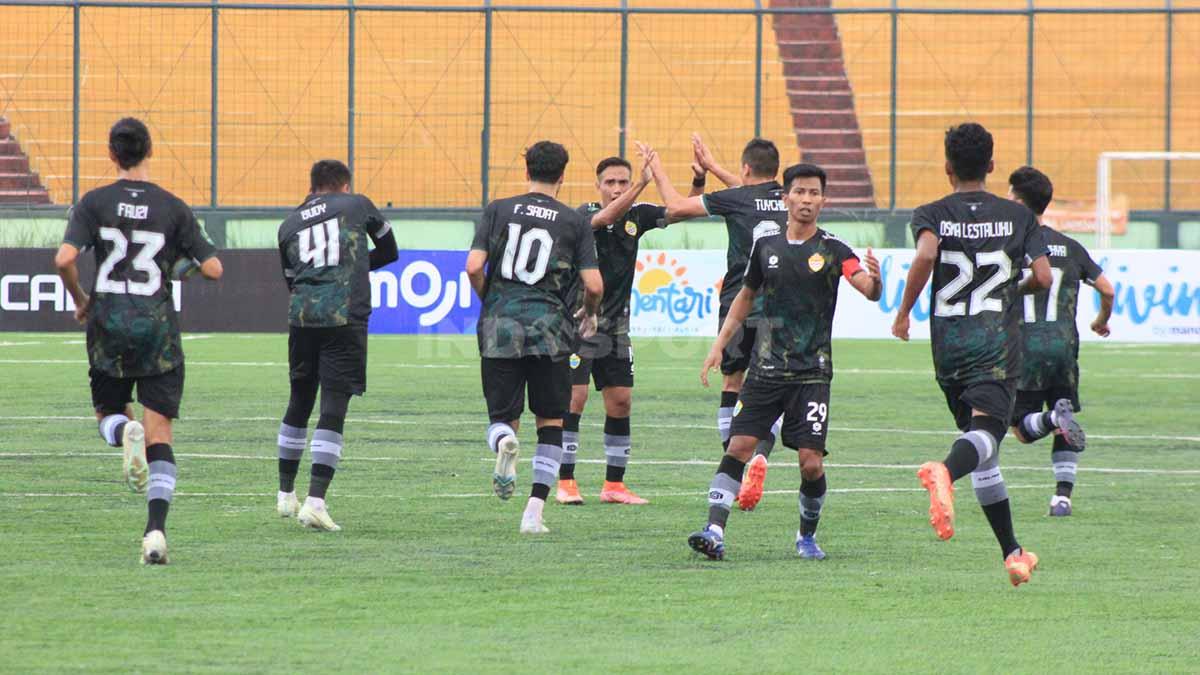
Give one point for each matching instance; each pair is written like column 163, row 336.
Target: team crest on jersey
column 816, row 261
column 575, row 361
column 631, row 228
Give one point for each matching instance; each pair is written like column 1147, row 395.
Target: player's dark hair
column 129, row 142
column 969, row 149
column 609, row 162
column 1032, row 187
column 762, row 156
column 328, row 175
column 803, row 171
column 546, row 161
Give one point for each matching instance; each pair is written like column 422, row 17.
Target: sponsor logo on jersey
column 816, row 262
column 773, row 262
column 631, row 228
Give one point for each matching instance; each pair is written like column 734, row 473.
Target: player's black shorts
column 160, row 393
column 1034, row 401
column 335, row 356
column 736, row 357
column 614, row 368
column 992, row 397
column 504, row 383
column 804, row 406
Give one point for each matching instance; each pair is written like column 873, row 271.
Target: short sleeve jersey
column 137, row 230
column 325, row 257
column 750, row 212
column 536, row 247
column 975, row 324
column 798, row 283
column 1051, row 340
column 617, row 249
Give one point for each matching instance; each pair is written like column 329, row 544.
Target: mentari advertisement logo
column 675, row 293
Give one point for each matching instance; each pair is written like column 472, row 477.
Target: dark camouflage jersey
column 750, row 212
column 617, row 249
column 138, row 230
column 975, row 324
column 1051, row 340
column 325, row 257
column 536, row 246
column 798, row 284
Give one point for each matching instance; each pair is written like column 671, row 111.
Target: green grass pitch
column 430, row 574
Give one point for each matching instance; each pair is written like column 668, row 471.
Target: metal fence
column 432, row 105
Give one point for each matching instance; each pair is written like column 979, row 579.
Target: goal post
column 1104, row 186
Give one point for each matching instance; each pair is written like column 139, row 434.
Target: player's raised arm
column 705, row 159
column 866, row 280
column 678, row 207
column 918, row 276
column 620, row 206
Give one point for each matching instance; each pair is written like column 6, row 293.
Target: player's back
column 975, row 323
column 138, row 230
column 1050, row 336
column 751, row 212
column 536, row 246
column 323, row 245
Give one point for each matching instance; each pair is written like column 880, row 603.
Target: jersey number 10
column 518, row 250
column 321, row 244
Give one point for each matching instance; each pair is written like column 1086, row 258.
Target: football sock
column 326, row 445
column 766, row 445
column 1038, row 425
column 616, row 448
column 1065, row 461
column 812, row 498
column 975, row 447
column 111, row 429
column 724, row 487
column 161, row 487
column 989, row 484
column 496, row 432
column 546, row 460
column 291, row 448
column 570, row 446
column 725, row 415
column 1000, row 518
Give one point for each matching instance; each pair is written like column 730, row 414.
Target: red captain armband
column 849, row 267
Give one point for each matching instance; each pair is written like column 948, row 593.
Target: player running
column 1050, row 375
column 618, row 222
column 973, row 242
column 753, row 208
column 537, row 246
column 326, row 264
column 138, row 231
column 797, row 274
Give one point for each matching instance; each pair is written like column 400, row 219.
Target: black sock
column 999, row 516
column 566, row 472
column 812, row 497
column 157, row 515
column 963, row 458
column 321, row 477
column 540, row 491
column 1063, row 489
column 288, row 468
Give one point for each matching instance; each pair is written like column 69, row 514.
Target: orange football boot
column 936, row 478
column 568, row 492
column 752, row 483
column 1020, row 566
column 617, row 493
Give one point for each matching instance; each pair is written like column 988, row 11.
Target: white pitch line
column 18, row 344
column 642, row 425
column 642, row 462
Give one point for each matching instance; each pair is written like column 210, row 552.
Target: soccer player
column 1050, row 375
column 753, row 208
column 536, row 247
column 138, row 231
column 973, row 242
column 797, row 274
column 618, row 222
column 326, row 264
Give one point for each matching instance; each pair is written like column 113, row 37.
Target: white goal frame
column 1104, row 186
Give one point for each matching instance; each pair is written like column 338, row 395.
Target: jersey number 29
column 518, row 251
